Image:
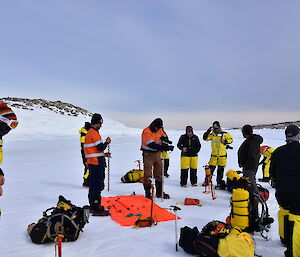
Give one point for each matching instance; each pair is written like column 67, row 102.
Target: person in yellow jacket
column 83, row 131
column 220, row 141
column 266, row 152
column 164, row 154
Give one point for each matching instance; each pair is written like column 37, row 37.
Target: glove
column 167, row 148
column 165, row 140
column 171, row 147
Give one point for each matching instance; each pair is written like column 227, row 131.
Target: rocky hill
column 55, row 106
column 280, row 125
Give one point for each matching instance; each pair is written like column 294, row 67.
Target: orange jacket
column 91, row 150
column 149, row 137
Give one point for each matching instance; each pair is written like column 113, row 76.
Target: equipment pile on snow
column 66, row 220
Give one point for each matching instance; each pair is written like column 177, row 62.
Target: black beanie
column 247, row 130
column 158, row 123
column 189, row 128
column 291, row 130
column 216, row 125
column 96, row 119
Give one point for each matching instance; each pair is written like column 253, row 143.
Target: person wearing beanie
column 190, row 145
column 8, row 121
column 249, row 154
column 285, row 175
column 94, row 148
column 266, row 152
column 220, row 141
column 83, row 131
column 151, row 146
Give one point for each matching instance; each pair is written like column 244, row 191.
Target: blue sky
column 189, row 62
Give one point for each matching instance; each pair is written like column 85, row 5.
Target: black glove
column 167, row 148
column 229, row 147
column 171, row 147
column 165, row 140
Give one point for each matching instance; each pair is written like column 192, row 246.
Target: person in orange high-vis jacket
column 152, row 147
column 95, row 160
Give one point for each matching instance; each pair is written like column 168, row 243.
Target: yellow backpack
column 233, row 245
column 132, row 176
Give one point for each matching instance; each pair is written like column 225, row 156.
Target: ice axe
column 175, row 208
column 108, row 168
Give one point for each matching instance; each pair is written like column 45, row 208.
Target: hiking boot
column 100, row 212
column 159, row 192
column 165, row 196
column 166, row 175
column 147, row 188
column 185, row 186
column 264, row 180
column 194, row 185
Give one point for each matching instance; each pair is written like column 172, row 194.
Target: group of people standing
column 281, row 165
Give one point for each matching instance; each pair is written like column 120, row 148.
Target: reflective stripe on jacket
column 217, row 148
column 149, row 137
column 91, row 150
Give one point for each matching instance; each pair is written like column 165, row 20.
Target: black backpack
column 205, row 243
column 65, row 219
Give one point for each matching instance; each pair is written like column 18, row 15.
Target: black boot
column 159, row 192
column 166, row 167
column 183, row 177
column 96, row 208
column 147, row 188
column 193, row 177
column 220, row 173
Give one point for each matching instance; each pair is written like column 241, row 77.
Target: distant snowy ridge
column 39, row 118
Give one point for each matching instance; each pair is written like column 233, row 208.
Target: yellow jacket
column 268, row 154
column 82, row 133
column 218, row 148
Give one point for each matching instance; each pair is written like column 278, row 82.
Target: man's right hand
column 184, row 149
column 108, row 140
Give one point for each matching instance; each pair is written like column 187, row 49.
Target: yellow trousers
column 217, row 161
column 189, row 162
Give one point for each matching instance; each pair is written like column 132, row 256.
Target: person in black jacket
column 249, row 154
column 189, row 145
column 285, row 174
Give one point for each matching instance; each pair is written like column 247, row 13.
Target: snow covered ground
column 42, row 161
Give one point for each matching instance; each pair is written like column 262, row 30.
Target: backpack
column 206, row 242
column 263, row 192
column 236, row 245
column 249, row 211
column 65, row 219
column 132, row 176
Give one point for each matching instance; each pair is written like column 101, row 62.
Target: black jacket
column 192, row 144
column 285, row 169
column 249, row 154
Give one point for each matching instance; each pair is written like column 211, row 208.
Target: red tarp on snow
column 127, row 209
